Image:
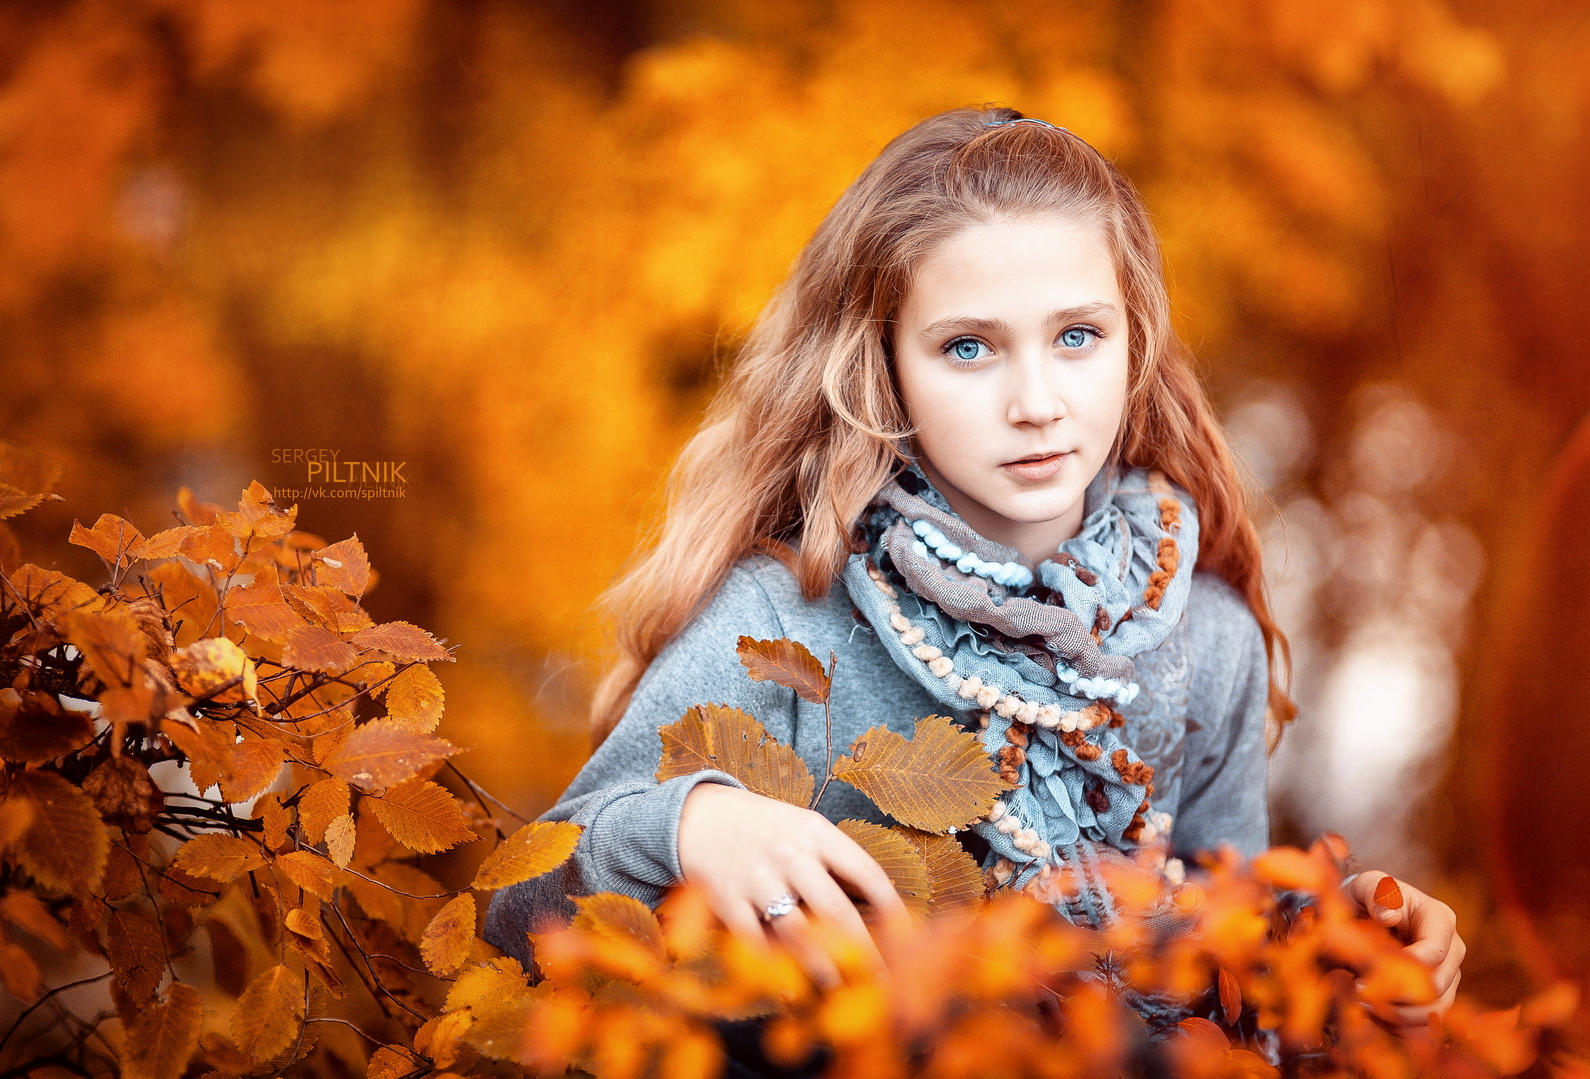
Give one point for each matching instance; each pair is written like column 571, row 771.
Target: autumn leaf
column 340, row 836
column 218, row 857
column 416, row 697
column 393, row 1062
column 216, row 669
column 423, row 816
column 19, row 973
column 262, row 607
column 136, row 951
column 26, row 476
column 445, row 945
column 538, row 847
column 942, row 778
column 253, row 766
column 343, row 565
column 268, row 1014
column 66, row 842
column 403, row 640
column 111, row 641
column 955, row 880
column 315, row 648
column 308, row 870
column 23, row 909
column 321, row 803
column 715, row 736
column 1230, row 997
column 1387, row 894
column 161, row 1040
column 621, row 918
column 113, row 539
column 899, row 858
column 786, row 662
column 383, row 753
column 34, row 728
column 1291, row 868
column 484, row 987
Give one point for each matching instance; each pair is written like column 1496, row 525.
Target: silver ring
column 779, row 907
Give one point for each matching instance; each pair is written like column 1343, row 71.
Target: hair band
column 1026, row 120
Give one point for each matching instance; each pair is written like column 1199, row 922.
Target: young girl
column 964, row 452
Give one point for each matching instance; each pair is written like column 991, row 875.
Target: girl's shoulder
column 1219, row 627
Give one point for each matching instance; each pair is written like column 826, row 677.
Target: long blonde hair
column 809, row 424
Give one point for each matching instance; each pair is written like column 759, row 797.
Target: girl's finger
column 1417, row 1015
column 850, row 863
column 795, row 932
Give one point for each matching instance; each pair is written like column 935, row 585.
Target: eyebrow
column 994, row 325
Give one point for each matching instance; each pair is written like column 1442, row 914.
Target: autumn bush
column 225, row 806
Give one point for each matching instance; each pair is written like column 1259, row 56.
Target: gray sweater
column 1199, row 721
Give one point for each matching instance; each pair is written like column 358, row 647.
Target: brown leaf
column 18, row 972
column 340, row 836
column 161, row 1040
column 136, row 951
column 537, row 848
column 445, row 945
column 344, row 565
column 112, row 643
column 1387, row 894
column 729, row 740
column 117, row 541
column 942, row 778
column 315, row 648
column 898, row 856
column 216, row 669
column 269, row 1013
column 309, row 871
column 66, row 842
column 403, row 640
column 34, row 728
column 786, row 662
column 252, row 766
column 416, row 697
column 1230, row 997
column 393, row 1062
column 125, row 794
column 218, row 857
column 23, row 909
column 319, row 805
column 955, row 880
column 52, row 595
column 383, row 753
column 423, row 816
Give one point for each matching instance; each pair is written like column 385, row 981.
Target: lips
column 1032, row 457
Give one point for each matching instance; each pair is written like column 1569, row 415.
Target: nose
column 1034, row 394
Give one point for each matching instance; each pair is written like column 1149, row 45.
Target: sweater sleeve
column 1225, row 797
column 631, row 822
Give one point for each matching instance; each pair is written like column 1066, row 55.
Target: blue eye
column 1076, row 336
column 964, row 348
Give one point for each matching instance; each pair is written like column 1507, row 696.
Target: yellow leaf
column 392, row 1062
column 955, row 880
column 383, row 753
column 303, row 923
column 786, row 662
column 416, row 697
column 422, row 816
column 161, row 1040
column 269, row 812
column 537, row 848
column 729, row 740
column 216, row 669
column 319, row 805
column 439, row 1038
column 219, row 857
column 309, row 871
column 340, row 836
column 445, row 945
column 621, row 918
column 403, row 640
column 942, row 778
column 899, row 858
column 484, row 987
column 269, row 1013
column 253, row 766
column 66, row 842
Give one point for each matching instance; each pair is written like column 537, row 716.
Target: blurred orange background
column 506, row 249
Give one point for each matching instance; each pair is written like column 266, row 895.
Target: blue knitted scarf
column 1039, row 657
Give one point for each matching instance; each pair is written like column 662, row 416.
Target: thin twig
column 828, row 730
column 30, row 1009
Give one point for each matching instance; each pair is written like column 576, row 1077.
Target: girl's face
column 1011, row 356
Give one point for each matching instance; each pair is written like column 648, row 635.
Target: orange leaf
column 325, row 606
column 268, row 1014
column 168, row 543
column 315, row 648
column 161, row 1040
column 423, row 816
column 112, row 643
column 38, row 728
column 898, row 856
column 622, row 918
column 1387, row 894
column 340, row 836
column 942, row 778
column 484, row 987
column 253, row 767
column 263, row 609
column 445, row 945
column 66, row 842
column 24, row 909
column 786, row 662
column 1288, row 867
column 416, row 697
column 344, row 565
column 26, row 476
column 729, row 740
column 1230, row 997
column 955, row 880
column 136, row 951
column 18, row 972
column 383, row 753
column 394, row 1062
column 216, row 669
column 218, row 857
column 537, row 848
column 269, row 812
column 303, row 923
column 319, row 805
column 258, row 515
column 308, row 870
column 113, row 539
column 403, row 640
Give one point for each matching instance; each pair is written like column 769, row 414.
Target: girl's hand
column 745, row 850
column 1431, row 927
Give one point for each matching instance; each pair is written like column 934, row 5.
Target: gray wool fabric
column 1199, row 720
